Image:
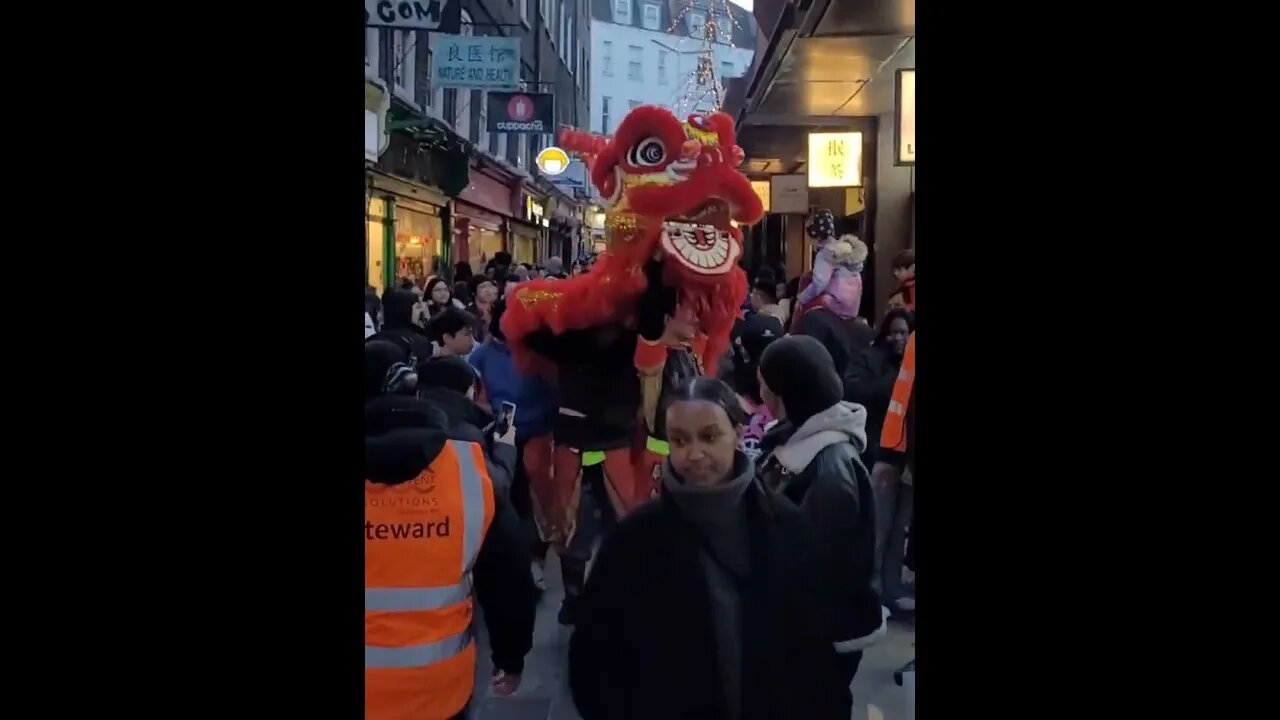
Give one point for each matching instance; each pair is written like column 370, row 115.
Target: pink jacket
column 838, row 287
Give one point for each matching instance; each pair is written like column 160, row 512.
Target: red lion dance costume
column 670, row 189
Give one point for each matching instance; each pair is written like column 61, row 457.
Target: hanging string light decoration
column 703, row 82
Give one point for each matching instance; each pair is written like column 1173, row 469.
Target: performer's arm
column 650, row 358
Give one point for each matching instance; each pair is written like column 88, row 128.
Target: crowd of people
column 768, row 557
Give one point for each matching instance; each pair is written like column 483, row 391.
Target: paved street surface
column 544, row 691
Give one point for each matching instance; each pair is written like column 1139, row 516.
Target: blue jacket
column 535, row 400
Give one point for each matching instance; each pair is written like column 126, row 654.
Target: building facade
column 646, row 52
column 441, row 188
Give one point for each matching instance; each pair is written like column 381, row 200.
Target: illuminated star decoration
column 702, row 82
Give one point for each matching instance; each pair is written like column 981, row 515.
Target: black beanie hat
column 446, row 371
column 800, row 371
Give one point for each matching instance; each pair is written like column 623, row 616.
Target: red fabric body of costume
column 608, row 293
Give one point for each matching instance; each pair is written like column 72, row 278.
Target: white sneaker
column 907, row 603
column 539, row 579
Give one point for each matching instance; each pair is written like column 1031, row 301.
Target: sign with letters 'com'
column 475, row 63
column 442, row 16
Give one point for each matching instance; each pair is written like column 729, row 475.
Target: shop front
column 528, row 233
column 563, row 221
column 482, row 210
column 404, row 230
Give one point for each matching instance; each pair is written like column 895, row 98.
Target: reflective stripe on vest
column 894, row 436
column 658, row 447
column 415, row 655
column 412, row 599
column 472, row 504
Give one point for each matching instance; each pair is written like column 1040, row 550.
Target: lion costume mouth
column 702, row 239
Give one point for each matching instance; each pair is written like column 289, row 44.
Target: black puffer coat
column 644, row 647
column 869, row 382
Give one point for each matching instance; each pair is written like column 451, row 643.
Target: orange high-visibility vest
column 894, row 435
column 421, row 540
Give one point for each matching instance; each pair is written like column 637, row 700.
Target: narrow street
column 544, row 691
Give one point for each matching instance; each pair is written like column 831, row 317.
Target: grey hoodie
column 842, row 422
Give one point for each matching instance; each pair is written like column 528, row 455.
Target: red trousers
column 556, row 494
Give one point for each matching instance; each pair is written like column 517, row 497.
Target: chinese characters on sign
column 835, row 159
column 761, row 188
column 475, row 63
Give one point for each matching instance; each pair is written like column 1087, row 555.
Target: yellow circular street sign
column 552, row 160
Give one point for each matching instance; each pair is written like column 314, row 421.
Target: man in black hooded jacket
column 403, row 436
column 811, row 457
column 449, row 383
column 398, row 324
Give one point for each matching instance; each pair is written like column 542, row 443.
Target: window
column 459, row 101
column 652, row 16
column 449, row 110
column 633, row 104
column 604, row 116
column 724, row 29
column 435, row 96
column 662, row 67
column 697, row 23
column 430, row 67
column 403, row 53
column 607, row 68
column 726, row 69
column 634, row 56
column 622, row 11
column 371, row 48
column 482, row 111
column 524, row 11
column 522, row 151
column 510, row 148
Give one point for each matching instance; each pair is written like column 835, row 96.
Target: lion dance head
column 670, row 190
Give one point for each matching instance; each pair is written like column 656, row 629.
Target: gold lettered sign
column 762, row 191
column 835, row 159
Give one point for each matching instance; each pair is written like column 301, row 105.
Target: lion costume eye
column 647, row 153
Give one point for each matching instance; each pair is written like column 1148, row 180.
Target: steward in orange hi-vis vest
column 421, row 540
column 432, row 524
column 894, row 435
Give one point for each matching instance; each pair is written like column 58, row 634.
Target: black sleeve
column 500, row 461
column 810, row 324
column 831, row 509
column 655, row 304
column 597, row 650
column 504, row 588
column 562, row 347
column 578, row 346
column 864, row 385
